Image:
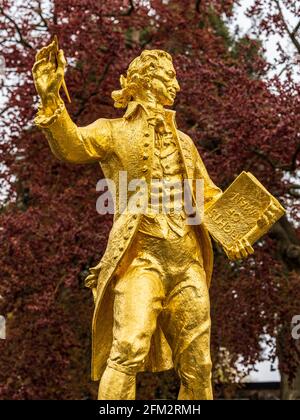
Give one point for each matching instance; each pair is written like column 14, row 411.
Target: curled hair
column 139, row 73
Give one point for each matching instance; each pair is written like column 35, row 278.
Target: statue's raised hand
column 48, row 73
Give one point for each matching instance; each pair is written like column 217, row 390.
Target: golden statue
column 152, row 308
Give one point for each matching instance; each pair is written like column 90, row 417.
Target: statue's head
column 150, row 74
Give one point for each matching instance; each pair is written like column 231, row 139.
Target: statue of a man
column 151, row 295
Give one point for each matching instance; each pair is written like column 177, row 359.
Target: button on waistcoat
column 166, row 185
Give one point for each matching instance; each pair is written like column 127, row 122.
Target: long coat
column 125, row 144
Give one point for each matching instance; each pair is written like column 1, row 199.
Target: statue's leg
column 195, row 374
column 138, row 297
column 116, row 385
column 186, row 323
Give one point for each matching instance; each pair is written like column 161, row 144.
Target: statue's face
column 164, row 84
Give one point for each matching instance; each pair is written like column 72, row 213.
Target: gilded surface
column 151, row 286
column 245, row 212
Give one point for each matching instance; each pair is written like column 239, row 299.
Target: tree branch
column 294, row 194
column 265, row 157
column 285, row 68
column 295, row 157
column 295, row 42
column 275, row 165
column 277, row 2
column 198, row 4
column 95, row 92
column 288, row 243
column 129, row 10
column 5, row 109
column 10, row 19
column 297, row 27
column 40, row 13
column 125, row 13
column 291, row 34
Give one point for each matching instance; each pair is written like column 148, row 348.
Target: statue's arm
column 67, row 141
column 76, row 144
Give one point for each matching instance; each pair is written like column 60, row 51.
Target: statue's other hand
column 48, row 72
column 241, row 250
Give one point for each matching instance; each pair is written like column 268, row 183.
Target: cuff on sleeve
column 44, row 121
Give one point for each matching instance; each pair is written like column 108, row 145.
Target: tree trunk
column 288, row 245
column 290, row 391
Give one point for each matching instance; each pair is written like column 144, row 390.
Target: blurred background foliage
column 243, row 114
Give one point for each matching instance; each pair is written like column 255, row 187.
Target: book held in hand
column 246, row 210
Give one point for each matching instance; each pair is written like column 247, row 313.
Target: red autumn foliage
column 50, row 232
